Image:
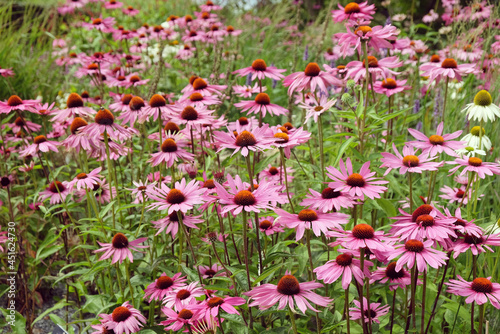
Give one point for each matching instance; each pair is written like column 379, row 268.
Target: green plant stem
column 481, row 319
column 445, row 98
column 283, row 165
column 346, row 303
column 292, row 320
column 245, row 247
column 111, row 178
column 424, row 288
column 321, row 154
column 188, row 240
column 257, row 232
column 127, row 269
column 411, row 191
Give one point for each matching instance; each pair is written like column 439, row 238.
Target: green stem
column 346, row 303
column 411, row 192
column 129, row 283
column 292, row 320
column 110, row 175
column 286, row 178
column 445, row 98
column 321, row 156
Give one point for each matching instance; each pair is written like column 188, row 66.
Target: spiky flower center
column 157, row 101
column 344, row 260
column 93, row 67
column 56, row 187
column 126, row 99
column 288, row 126
column 482, row 284
column 14, row 101
column 195, row 97
column 262, row 98
column 136, row 103
column 460, row 193
column 482, row 98
column 245, row 139
column 230, row 29
column 244, row 198
column 363, row 29
column 475, row 131
column 435, row 59
column 265, row 224
column 210, row 184
column 259, row 65
column 352, row 8
column 19, row 121
column 363, row 231
column 312, row 70
column 388, row 83
column 175, row 196
column 308, row 215
column 215, row 301
column 119, row 241
column 107, row 331
column 183, row 294
column 355, row 180
column 411, row 161
column 171, row 127
column 472, row 240
column 288, row 285
column 185, row 314
column 210, row 273
column 40, row 139
column 273, row 171
column 120, row 314
column 81, row 176
column 134, row 79
column 164, row 282
column 77, row 123
column 104, row 117
column 74, row 101
column 199, row 84
column 476, row 162
column 414, row 246
column 169, row 146
column 425, row 220
column 391, row 272
column 281, row 137
column 449, row 63
column 243, row 120
column 5, row 181
column 436, row 140
column 372, row 62
column 424, row 209
column 189, row 114
column 329, row 193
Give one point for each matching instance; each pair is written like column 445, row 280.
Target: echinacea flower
column 105, row 123
column 183, row 295
column 483, row 108
column 16, row 103
column 371, row 311
column 448, row 69
column 415, row 251
column 477, row 139
column 390, row 86
column 309, row 219
column 215, row 303
column 171, row 151
column 260, row 70
column 310, row 79
column 354, row 12
column 208, row 272
column 248, row 91
column 57, row 192
column 187, row 315
column 346, row 266
column 397, row 278
column 475, row 244
column 475, row 165
column 377, row 37
column 269, row 225
column 124, row 319
column 261, row 105
column 170, row 223
column 181, row 198
column 246, row 140
column 120, row 248
column 288, row 292
column 163, row 286
column 362, row 236
column 480, row 290
column 457, row 195
column 100, row 24
column 328, row 200
column 376, row 68
column 408, row 162
column 437, row 143
column 463, row 226
column 40, row 144
column 317, row 108
column 84, row 180
column 74, row 107
column 357, row 185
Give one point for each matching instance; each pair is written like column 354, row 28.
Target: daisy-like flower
column 288, row 139
column 328, row 200
column 397, row 278
column 113, row 4
column 40, row 144
column 16, row 103
column 376, row 67
column 183, row 296
column 311, row 219
column 56, row 192
column 163, row 286
column 483, row 108
column 191, row 116
column 288, row 292
column 437, row 143
column 376, row 37
column 362, row 236
column 139, row 192
column 104, row 25
column 317, row 108
column 354, row 12
column 171, row 151
column 157, row 106
column 312, row 77
column 134, row 112
column 390, row 86
column 463, row 226
column 120, row 248
column 246, row 140
column 456, row 195
column 477, row 140
column 260, row 70
column 170, row 223
column 181, row 198
column 21, row 123
column 415, row 251
column 198, row 100
column 276, row 174
column 261, row 105
column 346, row 266
column 248, row 91
column 6, row 72
column 130, row 11
column 105, row 122
column 356, row 185
column 86, row 181
column 240, row 197
column 476, row 244
column 372, row 311
column 227, row 304
column 124, row 319
column 208, row 272
column 199, row 85
column 269, row 225
column 121, row 102
column 185, row 316
column 476, row 165
column 448, row 69
column 480, row 290
column 409, row 162
column 74, row 107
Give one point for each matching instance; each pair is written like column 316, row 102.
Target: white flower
column 470, row 152
column 482, row 109
column 474, row 140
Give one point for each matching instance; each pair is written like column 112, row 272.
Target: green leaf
column 57, row 306
column 342, row 149
column 387, row 206
column 14, row 320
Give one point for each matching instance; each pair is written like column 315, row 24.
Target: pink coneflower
column 371, row 311
column 276, row 174
column 40, row 144
column 181, row 198
column 130, row 11
column 376, row 67
column 21, row 123
column 246, row 140
column 480, row 290
column 209, row 6
column 183, row 295
column 170, row 223
column 233, row 32
column 240, row 197
column 288, row 292
column 377, row 37
column 437, row 143
column 120, row 248
column 105, row 122
column 124, row 319
column 354, row 11
column 198, row 100
column 56, row 192
column 345, row 266
column 476, row 244
column 362, row 236
column 171, row 150
column 312, row 77
column 104, row 25
column 261, row 105
column 133, row 80
column 457, row 195
column 86, row 181
column 390, row 86
column 199, row 85
column 475, row 165
column 270, row 226
column 227, row 304
column 113, row 4
column 74, row 107
column 317, row 108
column 328, row 200
column 397, row 278
column 15, row 103
column 163, row 286
column 139, row 192
column 409, row 162
column 311, row 219
column 6, row 72
column 463, row 226
column 187, row 315
column 357, row 185
column 415, row 251
column 248, row 91
column 134, row 112
column 260, row 70
column 449, row 68
column 208, row 272
column 191, row 116
column 287, row 139
column 121, row 102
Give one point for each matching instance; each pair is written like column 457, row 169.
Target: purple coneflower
column 124, row 319
column 163, row 286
